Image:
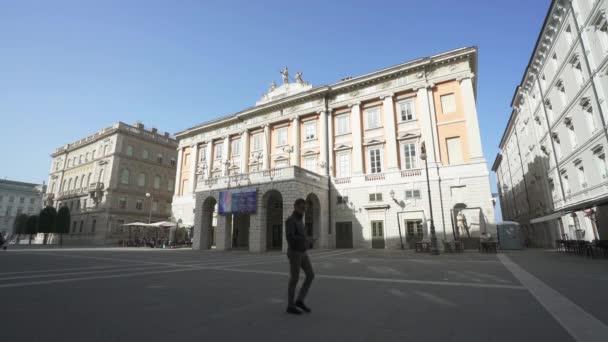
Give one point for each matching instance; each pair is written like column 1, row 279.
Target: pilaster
column 390, row 132
column 357, row 134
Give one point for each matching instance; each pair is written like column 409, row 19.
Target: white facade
column 551, row 170
column 360, row 140
column 18, row 198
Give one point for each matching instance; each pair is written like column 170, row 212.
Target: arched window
column 63, row 188
column 124, row 176
column 100, row 179
column 82, row 183
column 89, row 178
column 75, row 182
column 69, row 184
column 141, row 180
column 156, row 182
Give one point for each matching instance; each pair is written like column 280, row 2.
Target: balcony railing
column 343, row 180
column 410, row 173
column 258, row 177
column 97, row 186
column 374, row 177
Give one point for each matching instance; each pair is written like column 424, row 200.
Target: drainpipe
column 329, row 149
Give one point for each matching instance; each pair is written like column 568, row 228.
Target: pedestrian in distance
column 3, row 242
column 298, row 242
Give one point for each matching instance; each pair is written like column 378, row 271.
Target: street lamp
column 434, row 249
column 392, row 193
column 288, row 150
column 150, row 212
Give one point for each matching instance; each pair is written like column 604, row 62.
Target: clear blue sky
column 69, row 68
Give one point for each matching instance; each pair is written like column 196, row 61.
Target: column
column 226, row 156
column 266, row 148
column 245, row 151
column 178, row 173
column 330, row 142
column 209, row 157
column 357, row 135
column 193, row 163
column 223, row 232
column 390, row 133
column 470, row 110
column 296, row 142
column 323, row 143
column 426, row 122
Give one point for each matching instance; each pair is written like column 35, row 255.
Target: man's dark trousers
column 298, row 260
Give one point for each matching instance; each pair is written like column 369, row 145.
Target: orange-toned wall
column 379, row 105
column 302, row 132
column 450, row 130
column 185, row 168
column 274, row 140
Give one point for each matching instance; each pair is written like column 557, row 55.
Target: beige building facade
column 352, row 150
column 121, row 174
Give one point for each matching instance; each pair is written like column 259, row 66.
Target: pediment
column 342, row 147
column 374, row 141
column 405, row 136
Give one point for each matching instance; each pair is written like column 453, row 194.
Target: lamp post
column 288, row 150
column 434, row 249
column 150, row 211
column 392, row 193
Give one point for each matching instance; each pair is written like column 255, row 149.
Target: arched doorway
column 312, row 217
column 273, row 202
column 208, row 223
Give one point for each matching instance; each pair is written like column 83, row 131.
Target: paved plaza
column 358, row 295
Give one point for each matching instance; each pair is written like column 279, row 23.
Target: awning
column 549, row 217
column 136, row 224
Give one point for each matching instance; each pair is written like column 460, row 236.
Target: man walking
column 298, row 243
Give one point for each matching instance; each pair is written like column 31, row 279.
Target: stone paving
column 110, row 294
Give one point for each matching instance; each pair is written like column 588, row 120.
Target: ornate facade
column 552, row 169
column 105, row 180
column 352, row 149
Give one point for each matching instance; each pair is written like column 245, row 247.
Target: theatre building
column 352, row 150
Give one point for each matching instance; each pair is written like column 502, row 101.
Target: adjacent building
column 18, row 198
column 118, row 175
column 552, row 169
column 353, row 150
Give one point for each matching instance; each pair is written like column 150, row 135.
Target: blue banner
column 238, row 201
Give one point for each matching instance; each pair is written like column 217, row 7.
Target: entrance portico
column 276, row 190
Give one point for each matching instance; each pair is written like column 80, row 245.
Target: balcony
column 72, row 193
column 374, row 177
column 259, row 177
column 410, row 173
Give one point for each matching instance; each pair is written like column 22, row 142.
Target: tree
column 20, row 226
column 32, row 226
column 47, row 221
column 63, row 222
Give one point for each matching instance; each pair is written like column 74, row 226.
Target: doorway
column 344, row 235
column 378, row 234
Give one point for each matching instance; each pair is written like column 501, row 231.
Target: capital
column 386, row 96
column 463, row 77
column 353, row 104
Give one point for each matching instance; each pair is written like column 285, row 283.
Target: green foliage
column 20, row 225
column 32, row 225
column 63, row 220
column 47, row 220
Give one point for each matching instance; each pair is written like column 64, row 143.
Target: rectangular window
column 410, row 161
column 84, row 203
column 375, row 197
column 130, row 151
column 342, row 124
column 580, row 170
column 310, row 130
column 565, row 182
column 170, row 185
column 159, row 158
column 122, row 203
column 74, row 226
column 342, row 200
column 22, row 200
column 406, row 110
column 141, row 180
column 282, row 136
column 93, row 226
column 454, row 150
column 257, row 142
column 156, row 182
column 448, row 103
column 11, row 199
column 373, row 118
column 81, row 226
column 93, row 155
column 310, row 164
column 145, row 154
column 414, row 228
column 375, row 160
column 235, row 148
column 139, row 205
column 32, row 200
column 343, row 167
column 155, row 205
column 173, row 163
column 412, row 194
column 602, row 164
column 219, row 151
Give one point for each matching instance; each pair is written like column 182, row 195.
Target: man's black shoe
column 293, row 310
column 301, row 305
